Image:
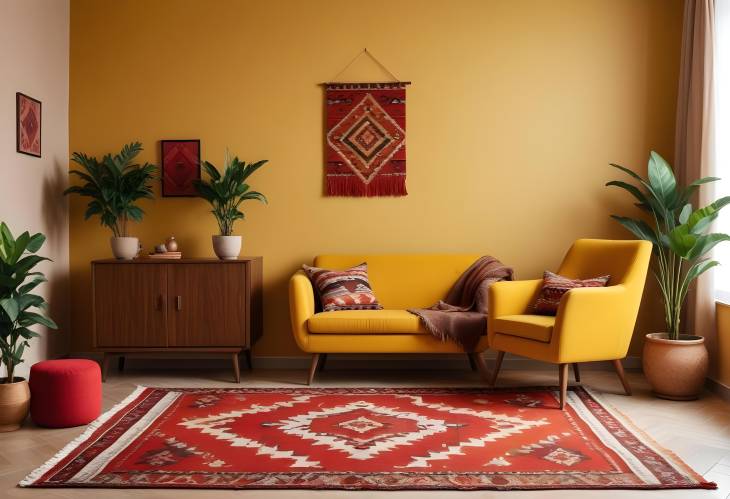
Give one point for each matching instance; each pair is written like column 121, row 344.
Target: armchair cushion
column 531, row 327
column 554, row 286
column 365, row 322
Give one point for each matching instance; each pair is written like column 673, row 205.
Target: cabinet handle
column 178, row 302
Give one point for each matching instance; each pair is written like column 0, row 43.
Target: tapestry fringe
column 351, row 185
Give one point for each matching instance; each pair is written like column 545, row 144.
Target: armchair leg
column 563, row 384
column 497, row 366
column 622, row 375
column 576, row 372
column 313, row 368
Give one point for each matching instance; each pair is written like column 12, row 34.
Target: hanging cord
column 373, row 58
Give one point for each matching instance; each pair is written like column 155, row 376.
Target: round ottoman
column 65, row 392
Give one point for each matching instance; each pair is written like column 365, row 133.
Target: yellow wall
column 516, row 109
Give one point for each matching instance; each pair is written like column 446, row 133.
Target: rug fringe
column 34, row 475
column 352, row 186
column 650, row 441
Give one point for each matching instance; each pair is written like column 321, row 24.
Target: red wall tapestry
column 180, row 166
column 28, row 123
column 366, row 139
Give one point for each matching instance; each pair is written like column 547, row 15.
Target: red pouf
column 65, row 393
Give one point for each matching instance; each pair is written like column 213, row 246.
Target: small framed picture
column 180, row 167
column 28, row 125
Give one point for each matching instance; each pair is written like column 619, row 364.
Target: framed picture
column 180, row 166
column 28, row 125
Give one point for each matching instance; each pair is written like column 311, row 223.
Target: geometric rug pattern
column 363, row 438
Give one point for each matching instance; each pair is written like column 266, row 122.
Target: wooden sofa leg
column 472, row 362
column 322, row 362
column 497, row 366
column 478, row 360
column 576, row 372
column 622, row 375
column 563, row 384
column 313, row 368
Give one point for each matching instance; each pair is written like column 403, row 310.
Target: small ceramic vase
column 171, row 244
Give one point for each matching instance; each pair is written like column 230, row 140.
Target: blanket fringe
column 352, row 186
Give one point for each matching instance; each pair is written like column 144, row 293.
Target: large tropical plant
column 679, row 232
column 225, row 192
column 114, row 184
column 19, row 307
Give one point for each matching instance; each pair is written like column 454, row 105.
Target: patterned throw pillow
column 343, row 289
column 554, row 286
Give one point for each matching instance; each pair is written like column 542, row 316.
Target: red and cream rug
column 363, row 438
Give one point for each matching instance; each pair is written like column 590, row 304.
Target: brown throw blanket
column 462, row 316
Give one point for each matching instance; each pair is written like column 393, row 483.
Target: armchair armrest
column 595, row 323
column 301, row 307
column 510, row 298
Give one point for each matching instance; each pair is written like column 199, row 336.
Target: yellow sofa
column 400, row 281
column 591, row 324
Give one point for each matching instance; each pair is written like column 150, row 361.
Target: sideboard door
column 129, row 305
column 207, row 305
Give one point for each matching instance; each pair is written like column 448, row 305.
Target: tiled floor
column 699, row 432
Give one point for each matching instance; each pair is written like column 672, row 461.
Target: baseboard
column 718, row 388
column 349, row 362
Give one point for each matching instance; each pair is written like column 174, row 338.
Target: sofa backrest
column 405, row 280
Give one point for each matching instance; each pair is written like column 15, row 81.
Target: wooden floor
column 699, row 432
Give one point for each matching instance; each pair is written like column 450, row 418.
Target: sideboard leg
column 104, row 366
column 236, row 369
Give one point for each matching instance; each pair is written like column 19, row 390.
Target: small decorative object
column 180, row 167
column 171, row 244
column 28, row 125
column 225, row 193
column 160, row 248
column 674, row 363
column 114, row 184
column 366, row 137
column 18, row 279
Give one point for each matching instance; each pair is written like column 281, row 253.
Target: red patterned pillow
column 343, row 289
column 554, row 286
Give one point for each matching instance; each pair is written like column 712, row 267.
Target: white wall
column 34, row 48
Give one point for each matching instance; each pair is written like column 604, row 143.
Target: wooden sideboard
column 188, row 305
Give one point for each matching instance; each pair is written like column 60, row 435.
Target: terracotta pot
column 125, row 248
column 676, row 369
column 227, row 247
column 14, row 403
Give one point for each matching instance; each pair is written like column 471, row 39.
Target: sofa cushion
column 531, row 327
column 343, row 289
column 365, row 322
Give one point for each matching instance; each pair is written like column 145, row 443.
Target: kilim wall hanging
column 366, row 138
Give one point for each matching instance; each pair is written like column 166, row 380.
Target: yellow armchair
column 592, row 324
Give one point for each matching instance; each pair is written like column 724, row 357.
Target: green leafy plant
column 678, row 232
column 225, row 192
column 18, row 306
column 114, row 184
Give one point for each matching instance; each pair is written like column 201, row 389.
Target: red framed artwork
column 180, row 167
column 28, row 125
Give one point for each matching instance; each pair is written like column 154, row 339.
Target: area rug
column 363, row 438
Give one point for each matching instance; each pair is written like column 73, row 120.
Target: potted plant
column 225, row 193
column 18, row 314
column 114, row 184
column 674, row 362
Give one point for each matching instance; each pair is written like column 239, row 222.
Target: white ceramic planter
column 125, row 248
column 227, row 247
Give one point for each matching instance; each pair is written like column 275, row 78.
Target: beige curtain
column 694, row 142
